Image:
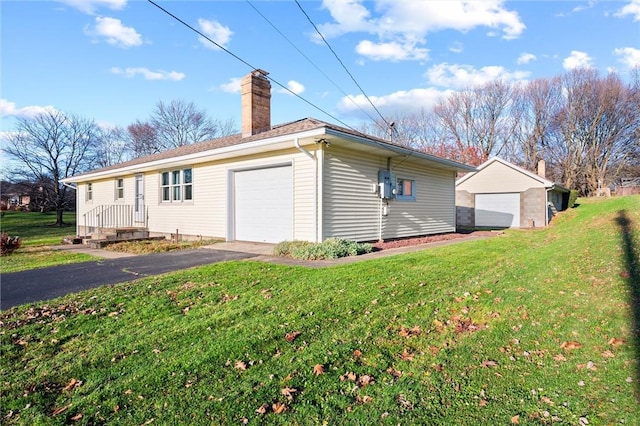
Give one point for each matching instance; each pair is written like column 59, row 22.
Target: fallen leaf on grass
column 60, row 410
column 489, row 363
column 288, row 392
column 406, row 356
column 278, row 408
column 73, row 383
column 483, row 403
column 559, row 358
column 318, row 369
column 262, row 409
column 364, row 399
column 395, row 373
column 76, row 417
column 357, row 353
column 410, row 332
column 614, row 341
column 567, row 346
column 240, row 365
column 365, row 380
column 608, row 354
column 515, row 419
column 290, row 337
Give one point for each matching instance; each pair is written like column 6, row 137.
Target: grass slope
column 37, row 232
column 535, row 327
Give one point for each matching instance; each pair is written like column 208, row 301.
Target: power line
column 248, row 64
column 309, row 60
column 340, row 61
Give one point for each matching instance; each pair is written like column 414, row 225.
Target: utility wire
column 341, row 63
column 309, row 60
column 248, row 64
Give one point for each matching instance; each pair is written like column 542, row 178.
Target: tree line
column 586, row 127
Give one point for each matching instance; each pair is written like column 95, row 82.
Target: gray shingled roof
column 290, row 128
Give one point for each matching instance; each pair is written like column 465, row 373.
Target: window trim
column 400, row 182
column 174, row 189
column 88, row 197
column 119, row 195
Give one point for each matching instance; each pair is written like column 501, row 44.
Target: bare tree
column 111, row 147
column 175, row 124
column 479, row 118
column 143, row 139
column 535, row 105
column 181, row 123
column 51, row 147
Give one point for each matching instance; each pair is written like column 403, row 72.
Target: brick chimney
column 256, row 103
column 542, row 169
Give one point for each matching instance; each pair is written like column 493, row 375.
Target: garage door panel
column 498, row 210
column 264, row 204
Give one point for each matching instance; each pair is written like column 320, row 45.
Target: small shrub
column 285, row 248
column 9, row 244
column 573, row 197
column 333, row 248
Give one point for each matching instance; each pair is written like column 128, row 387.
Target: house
column 303, row 180
column 14, row 196
column 503, row 195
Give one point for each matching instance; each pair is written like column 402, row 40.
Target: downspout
column 296, row 142
column 546, row 206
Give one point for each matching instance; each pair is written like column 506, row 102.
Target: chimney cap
column 257, row 72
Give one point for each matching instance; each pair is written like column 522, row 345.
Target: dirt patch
column 412, row 241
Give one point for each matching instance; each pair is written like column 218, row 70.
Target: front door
column 139, row 201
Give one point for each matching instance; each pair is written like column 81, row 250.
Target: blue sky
column 113, row 60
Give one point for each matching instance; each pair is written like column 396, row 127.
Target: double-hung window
column 176, row 186
column 119, row 188
column 406, row 189
column 89, row 194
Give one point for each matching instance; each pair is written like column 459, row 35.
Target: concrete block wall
column 465, row 209
column 533, row 205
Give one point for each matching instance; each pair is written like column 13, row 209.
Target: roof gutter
column 404, row 151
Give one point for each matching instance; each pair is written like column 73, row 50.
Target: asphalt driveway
column 18, row 288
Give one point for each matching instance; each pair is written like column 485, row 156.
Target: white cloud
column 9, row 109
column 147, row 74
column 216, row 32
column 577, row 59
column 233, row 86
column 525, row 58
column 115, row 33
column 294, row 87
column 392, row 51
column 404, row 100
column 401, row 25
column 465, row 76
column 633, row 9
column 90, row 6
column 629, row 56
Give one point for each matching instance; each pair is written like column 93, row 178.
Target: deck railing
column 115, row 216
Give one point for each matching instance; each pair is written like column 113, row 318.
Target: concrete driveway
column 18, row 288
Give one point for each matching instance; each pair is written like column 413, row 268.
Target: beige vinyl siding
column 498, row 177
column 351, row 209
column 432, row 212
column 208, row 214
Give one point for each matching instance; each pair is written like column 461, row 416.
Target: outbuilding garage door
column 264, row 205
column 498, row 210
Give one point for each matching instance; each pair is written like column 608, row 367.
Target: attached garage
column 263, row 204
column 498, row 210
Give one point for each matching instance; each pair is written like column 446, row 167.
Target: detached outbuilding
column 503, row 195
column 304, row 180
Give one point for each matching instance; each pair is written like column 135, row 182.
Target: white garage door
column 264, row 205
column 498, row 210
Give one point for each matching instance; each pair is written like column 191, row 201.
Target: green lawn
column 533, row 327
column 38, row 233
